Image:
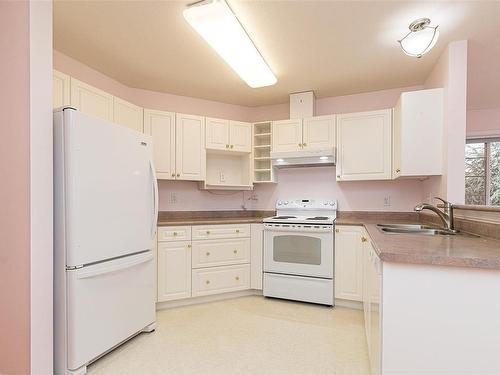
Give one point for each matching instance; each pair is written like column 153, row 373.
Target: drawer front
column 209, row 253
column 220, row 279
column 211, row 232
column 174, row 233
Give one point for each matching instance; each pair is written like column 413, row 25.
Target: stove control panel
column 316, row 204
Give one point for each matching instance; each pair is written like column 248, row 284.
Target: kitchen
column 320, row 160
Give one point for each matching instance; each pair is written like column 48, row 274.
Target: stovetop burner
column 317, row 218
column 284, row 217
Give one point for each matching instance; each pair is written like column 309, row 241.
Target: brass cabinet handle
column 208, row 232
column 235, row 251
column 207, row 282
column 363, row 239
column 232, row 146
column 337, row 230
column 227, row 146
column 208, row 253
column 175, row 233
column 237, row 278
column 173, row 174
column 237, row 231
column 178, row 175
column 300, row 144
column 398, row 170
column 189, row 246
column 304, row 144
column 338, row 176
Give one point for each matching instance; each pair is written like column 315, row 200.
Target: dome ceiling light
column 420, row 39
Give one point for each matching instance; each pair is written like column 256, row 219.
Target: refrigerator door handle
column 154, row 221
column 113, row 266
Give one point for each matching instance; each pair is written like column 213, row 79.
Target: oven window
column 297, row 249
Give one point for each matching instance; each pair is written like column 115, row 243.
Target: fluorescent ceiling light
column 216, row 23
column 420, row 39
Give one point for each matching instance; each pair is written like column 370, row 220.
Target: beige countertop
column 454, row 250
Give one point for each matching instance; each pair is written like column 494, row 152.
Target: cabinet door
column 364, row 145
column 319, row 132
column 174, row 270
column 91, row 100
column 217, row 134
column 348, row 263
column 190, row 155
column 161, row 126
column 61, row 84
column 256, row 243
column 287, row 135
column 240, row 136
column 127, row 114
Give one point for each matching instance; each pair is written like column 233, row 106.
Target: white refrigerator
column 105, row 212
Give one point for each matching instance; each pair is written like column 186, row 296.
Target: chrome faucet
column 446, row 215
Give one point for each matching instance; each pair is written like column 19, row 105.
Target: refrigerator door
column 106, row 304
column 110, row 189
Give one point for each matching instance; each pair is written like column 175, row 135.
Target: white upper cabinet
column 318, row 132
column 91, row 100
column 418, row 134
column 61, row 86
column 127, row 114
column 228, row 135
column 364, row 145
column 190, row 155
column 217, row 133
column 240, row 136
column 161, row 126
column 287, row 135
column 349, row 262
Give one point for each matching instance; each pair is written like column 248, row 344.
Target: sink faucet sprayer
column 446, row 215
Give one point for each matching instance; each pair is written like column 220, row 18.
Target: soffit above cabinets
column 331, row 47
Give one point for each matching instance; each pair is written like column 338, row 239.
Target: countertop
column 454, row 250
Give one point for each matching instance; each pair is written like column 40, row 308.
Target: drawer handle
column 237, row 278
column 207, row 282
column 237, row 231
column 175, row 233
column 208, row 253
column 235, row 251
column 208, row 232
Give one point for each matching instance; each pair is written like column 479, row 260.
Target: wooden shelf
column 262, row 146
column 262, row 158
column 262, row 170
column 211, row 186
column 262, row 134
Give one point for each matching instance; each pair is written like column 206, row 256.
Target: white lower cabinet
column 174, row 270
column 349, row 262
column 201, row 260
column 215, row 280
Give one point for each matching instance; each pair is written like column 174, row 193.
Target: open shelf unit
column 228, row 171
column 263, row 172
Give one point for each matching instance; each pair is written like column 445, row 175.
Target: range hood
column 303, row 158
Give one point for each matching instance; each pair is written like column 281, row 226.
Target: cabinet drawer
column 174, row 234
column 210, row 253
column 220, row 279
column 209, row 232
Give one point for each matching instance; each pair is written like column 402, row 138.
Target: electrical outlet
column 222, row 178
column 387, row 201
column 172, row 199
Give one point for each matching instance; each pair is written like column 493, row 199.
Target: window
column 482, row 171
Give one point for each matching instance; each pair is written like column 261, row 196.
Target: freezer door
column 107, row 303
column 109, row 188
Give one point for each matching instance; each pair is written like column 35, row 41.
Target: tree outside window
column 482, row 172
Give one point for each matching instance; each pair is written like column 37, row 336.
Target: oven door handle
column 296, row 229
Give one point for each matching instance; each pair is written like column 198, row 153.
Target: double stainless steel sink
column 418, row 229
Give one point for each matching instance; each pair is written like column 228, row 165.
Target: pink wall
column 451, row 73
column 483, row 122
column 14, row 189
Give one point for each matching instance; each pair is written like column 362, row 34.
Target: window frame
column 487, row 160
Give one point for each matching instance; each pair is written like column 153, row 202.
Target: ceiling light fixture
column 420, row 39
column 217, row 24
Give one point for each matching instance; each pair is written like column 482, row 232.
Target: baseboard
column 206, row 299
column 349, row 304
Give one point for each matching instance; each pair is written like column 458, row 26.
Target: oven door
column 305, row 250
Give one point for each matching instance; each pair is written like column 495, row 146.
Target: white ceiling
column 331, row 47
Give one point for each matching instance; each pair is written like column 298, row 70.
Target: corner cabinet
column 349, row 243
column 190, row 154
column 161, row 126
column 364, row 146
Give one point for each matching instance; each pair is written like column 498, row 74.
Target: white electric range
column 299, row 251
